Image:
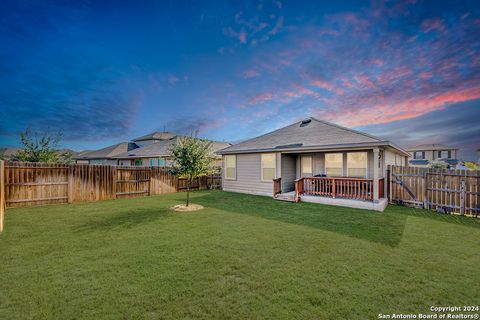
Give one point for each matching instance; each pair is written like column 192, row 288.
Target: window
column 419, row 155
column 444, row 154
column 230, row 167
column 161, row 162
column 334, row 164
column 137, row 162
column 307, row 166
column 268, row 166
column 357, row 164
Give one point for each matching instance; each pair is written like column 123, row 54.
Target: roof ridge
column 348, row 129
column 265, row 134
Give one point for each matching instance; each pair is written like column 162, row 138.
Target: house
column 421, row 155
column 8, row 153
column 105, row 155
column 158, row 153
column 150, row 150
column 313, row 161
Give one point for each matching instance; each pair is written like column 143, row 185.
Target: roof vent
column 305, row 122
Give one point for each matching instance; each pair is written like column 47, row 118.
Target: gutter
column 319, row 148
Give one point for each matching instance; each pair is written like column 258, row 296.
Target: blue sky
column 106, row 72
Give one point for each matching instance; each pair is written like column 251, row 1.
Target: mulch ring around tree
column 184, row 208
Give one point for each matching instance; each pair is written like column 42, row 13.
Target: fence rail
column 450, row 191
column 31, row 184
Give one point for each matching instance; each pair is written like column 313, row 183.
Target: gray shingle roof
column 435, row 146
column 316, row 133
column 108, row 152
column 157, row 135
column 162, row 149
column 8, row 152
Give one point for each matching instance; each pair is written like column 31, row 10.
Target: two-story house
column 422, row 154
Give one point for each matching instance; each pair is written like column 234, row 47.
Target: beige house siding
column 248, row 178
column 289, row 167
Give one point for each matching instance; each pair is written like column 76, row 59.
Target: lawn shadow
column 432, row 215
column 126, row 219
column 383, row 228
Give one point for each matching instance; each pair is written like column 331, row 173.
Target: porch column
column 376, row 153
column 278, row 165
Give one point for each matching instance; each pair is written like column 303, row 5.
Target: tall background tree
column 192, row 158
column 41, row 147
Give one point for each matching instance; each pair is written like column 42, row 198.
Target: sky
column 103, row 72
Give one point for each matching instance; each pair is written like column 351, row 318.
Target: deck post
column 376, row 153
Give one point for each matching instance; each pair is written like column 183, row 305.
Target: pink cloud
column 327, row 86
column 378, row 62
column 425, row 75
column 364, row 81
column 435, row 24
column 252, row 73
column 384, row 112
column 260, row 98
column 242, row 37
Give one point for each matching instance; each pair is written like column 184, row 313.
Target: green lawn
column 242, row 257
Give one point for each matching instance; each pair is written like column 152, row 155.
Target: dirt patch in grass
column 184, row 208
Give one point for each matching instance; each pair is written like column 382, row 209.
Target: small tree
column 192, row 158
column 438, row 164
column 38, row 147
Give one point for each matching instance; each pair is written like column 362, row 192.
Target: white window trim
column 225, row 171
column 274, row 167
column 325, row 161
column 366, row 162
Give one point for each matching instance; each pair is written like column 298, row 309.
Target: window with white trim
column 307, row 168
column 419, row 155
column 444, row 154
column 230, row 167
column 334, row 164
column 268, row 166
column 357, row 164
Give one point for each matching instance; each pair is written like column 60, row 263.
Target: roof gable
column 307, row 133
column 157, row 135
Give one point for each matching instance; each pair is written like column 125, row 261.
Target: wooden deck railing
column 277, row 186
column 352, row 188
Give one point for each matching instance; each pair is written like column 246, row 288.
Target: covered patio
column 352, row 178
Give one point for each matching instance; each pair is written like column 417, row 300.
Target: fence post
column 114, row 181
column 150, row 182
column 462, row 197
column 70, row 184
column 425, row 186
column 2, row 193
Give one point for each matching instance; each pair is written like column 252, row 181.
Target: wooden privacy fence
column 450, row 191
column 29, row 184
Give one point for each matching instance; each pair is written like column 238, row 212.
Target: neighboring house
column 149, row 150
column 8, row 153
column 158, row 153
column 313, row 161
column 105, row 155
column 422, row 154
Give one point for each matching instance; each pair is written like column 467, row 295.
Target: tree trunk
column 188, row 192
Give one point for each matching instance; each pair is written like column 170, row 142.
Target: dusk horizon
column 408, row 72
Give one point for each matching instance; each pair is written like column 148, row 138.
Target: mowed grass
column 242, row 257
